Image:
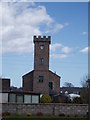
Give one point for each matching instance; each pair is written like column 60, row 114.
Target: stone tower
column 41, row 63
column 41, row 79
column 41, row 52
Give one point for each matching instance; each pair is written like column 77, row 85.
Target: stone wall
column 27, row 80
column 46, row 109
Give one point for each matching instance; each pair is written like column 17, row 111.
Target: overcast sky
column 66, row 23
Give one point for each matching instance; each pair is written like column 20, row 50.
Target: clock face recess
column 42, row 47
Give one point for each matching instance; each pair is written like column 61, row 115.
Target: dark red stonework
column 28, row 81
column 4, row 84
column 41, row 68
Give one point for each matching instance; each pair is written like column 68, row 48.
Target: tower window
column 50, row 85
column 42, row 47
column 41, row 61
column 41, row 79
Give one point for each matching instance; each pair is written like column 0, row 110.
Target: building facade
column 15, row 95
column 71, row 90
column 4, row 84
column 41, row 79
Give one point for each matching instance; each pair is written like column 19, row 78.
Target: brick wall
column 28, row 81
column 38, row 53
column 5, row 84
column 31, row 79
column 47, row 109
column 41, row 87
column 55, row 79
column 48, row 77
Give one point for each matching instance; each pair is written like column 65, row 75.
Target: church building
column 41, row 79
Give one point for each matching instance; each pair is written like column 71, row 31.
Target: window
column 4, row 97
column 35, row 99
column 50, row 85
column 19, row 99
column 42, row 47
column 41, row 61
column 41, row 79
column 12, row 98
column 27, row 98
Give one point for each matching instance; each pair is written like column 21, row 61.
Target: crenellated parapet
column 42, row 39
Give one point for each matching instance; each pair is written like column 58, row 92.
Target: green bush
column 45, row 99
column 77, row 100
column 67, row 115
column 62, row 115
column 76, row 116
column 59, row 101
column 6, row 114
column 29, row 114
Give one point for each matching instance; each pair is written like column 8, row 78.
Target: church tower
column 41, row 52
column 41, row 79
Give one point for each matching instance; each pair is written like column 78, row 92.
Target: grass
column 42, row 118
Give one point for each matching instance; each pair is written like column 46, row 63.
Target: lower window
column 35, row 99
column 50, row 85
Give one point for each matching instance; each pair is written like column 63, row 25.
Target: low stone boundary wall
column 46, row 109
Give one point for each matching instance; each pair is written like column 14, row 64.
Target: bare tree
column 84, row 82
column 67, row 84
column 84, row 92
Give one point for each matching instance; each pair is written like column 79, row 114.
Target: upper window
column 41, row 61
column 41, row 79
column 42, row 47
